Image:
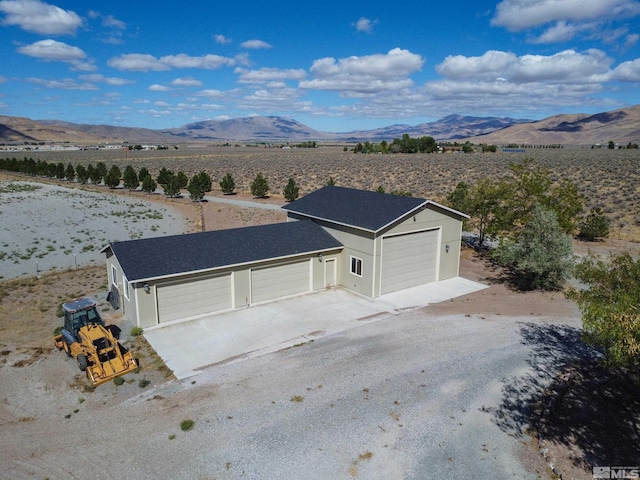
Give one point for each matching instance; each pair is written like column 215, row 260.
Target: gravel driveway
column 411, row 396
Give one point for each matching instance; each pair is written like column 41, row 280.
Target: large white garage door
column 280, row 280
column 190, row 298
column 408, row 260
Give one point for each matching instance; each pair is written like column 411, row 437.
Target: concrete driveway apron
column 189, row 346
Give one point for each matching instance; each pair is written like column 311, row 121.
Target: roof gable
column 148, row 258
column 361, row 209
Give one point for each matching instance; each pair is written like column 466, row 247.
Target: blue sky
column 335, row 66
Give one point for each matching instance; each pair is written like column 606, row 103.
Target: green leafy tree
column 82, row 174
column 568, row 203
column 227, row 184
column 529, row 184
column 164, row 175
column 459, row 200
column 70, row 173
column 526, row 185
column 259, row 186
column 291, row 190
column 459, row 197
column 182, row 178
column 130, row 178
column 611, row 145
column 483, row 201
column 171, row 186
column 112, row 179
column 594, row 226
column 427, row 145
column 542, row 256
column 609, row 306
column 149, row 185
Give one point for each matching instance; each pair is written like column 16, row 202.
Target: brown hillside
column 620, row 126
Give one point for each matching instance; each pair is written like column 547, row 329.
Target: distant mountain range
column 621, row 126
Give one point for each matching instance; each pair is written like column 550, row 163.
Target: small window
column 356, row 266
column 114, row 275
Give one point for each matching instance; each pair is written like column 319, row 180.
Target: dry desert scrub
column 607, row 178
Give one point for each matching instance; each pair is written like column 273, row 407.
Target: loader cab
column 80, row 313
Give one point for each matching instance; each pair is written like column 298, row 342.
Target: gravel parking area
column 411, row 396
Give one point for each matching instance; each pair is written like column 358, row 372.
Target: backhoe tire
column 82, row 362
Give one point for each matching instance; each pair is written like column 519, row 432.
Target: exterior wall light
column 147, row 289
column 320, row 257
column 446, row 248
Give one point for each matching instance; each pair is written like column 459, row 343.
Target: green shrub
column 118, row 380
column 143, row 382
column 136, row 331
column 186, row 425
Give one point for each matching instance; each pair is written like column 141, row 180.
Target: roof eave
column 449, row 209
column 333, row 221
column 233, row 265
column 403, row 216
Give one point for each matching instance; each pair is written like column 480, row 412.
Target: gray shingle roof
column 356, row 208
column 162, row 256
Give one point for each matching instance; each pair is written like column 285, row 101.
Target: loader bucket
column 111, row 368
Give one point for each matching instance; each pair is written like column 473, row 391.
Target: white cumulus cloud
column 54, row 51
column 156, row 87
column 143, row 62
column 518, row 15
column 113, row 81
column 255, row 44
column 354, row 76
column 221, row 39
column 265, row 75
column 40, row 17
column 186, row 82
column 365, row 25
column 563, row 67
column 627, row 71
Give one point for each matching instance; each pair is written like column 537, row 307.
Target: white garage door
column 190, row 298
column 408, row 260
column 280, row 280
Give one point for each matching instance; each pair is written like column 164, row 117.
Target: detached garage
column 165, row 279
column 369, row 242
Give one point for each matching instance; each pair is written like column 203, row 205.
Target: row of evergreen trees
column 172, row 183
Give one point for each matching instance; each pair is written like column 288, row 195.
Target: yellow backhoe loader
column 94, row 346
